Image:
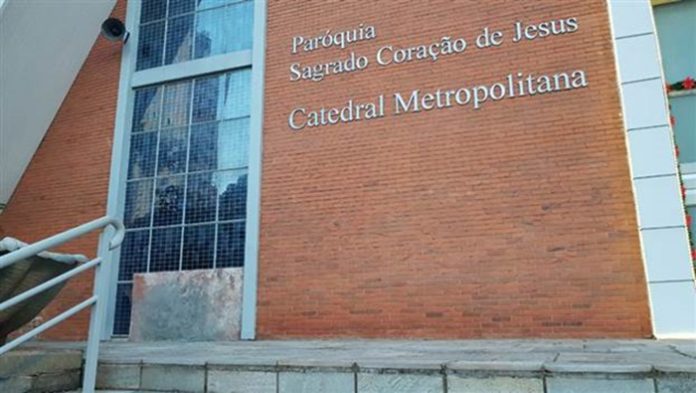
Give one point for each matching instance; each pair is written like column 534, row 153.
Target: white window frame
column 130, row 79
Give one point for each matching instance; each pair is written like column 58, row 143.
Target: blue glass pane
column 230, row 246
column 138, row 204
column 233, row 193
column 224, row 30
column 199, row 247
column 172, row 151
column 179, row 39
column 133, row 254
column 222, row 97
column 142, row 155
column 684, row 110
column 166, row 249
column 177, row 100
column 178, row 7
column 169, row 201
column 152, row 10
column 222, row 145
column 150, row 46
column 205, row 99
column 233, row 144
column 123, row 309
column 236, row 89
column 203, row 155
column 201, row 198
column 146, row 110
column 205, row 4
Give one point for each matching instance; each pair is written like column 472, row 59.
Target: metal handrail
column 96, row 302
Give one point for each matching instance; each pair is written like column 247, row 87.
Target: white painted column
column 661, row 220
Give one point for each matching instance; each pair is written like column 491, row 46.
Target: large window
column 186, row 183
column 179, row 30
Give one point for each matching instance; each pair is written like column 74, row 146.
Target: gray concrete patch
column 598, row 385
column 118, row 376
column 223, row 381
column 399, row 383
column 56, row 382
column 192, row 305
column 189, row 379
column 29, row 362
column 497, row 365
column 672, row 367
column 685, row 383
column 456, row 384
column 606, row 368
column 316, row 382
column 15, row 384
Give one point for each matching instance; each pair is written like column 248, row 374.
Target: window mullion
column 193, row 68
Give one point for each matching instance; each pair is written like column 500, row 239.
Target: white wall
column 43, row 44
column 656, row 186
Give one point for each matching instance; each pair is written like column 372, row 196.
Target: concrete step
column 116, row 391
column 40, row 371
column 373, row 366
column 465, row 377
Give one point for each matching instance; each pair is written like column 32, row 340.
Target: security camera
column 114, row 30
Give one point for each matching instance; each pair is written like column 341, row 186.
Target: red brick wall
column 67, row 180
column 516, row 220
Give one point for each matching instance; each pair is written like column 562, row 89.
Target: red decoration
column 672, row 120
column 676, row 150
column 687, row 83
column 688, row 220
column 693, row 254
column 683, row 191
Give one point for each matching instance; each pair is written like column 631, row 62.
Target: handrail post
column 97, row 302
column 97, row 318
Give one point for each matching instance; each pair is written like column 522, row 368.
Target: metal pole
column 97, row 318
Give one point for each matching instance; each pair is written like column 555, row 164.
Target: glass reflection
column 201, row 198
column 177, row 98
column 179, row 39
column 166, row 249
column 219, row 145
column 146, row 110
column 150, row 45
column 133, row 254
column 232, row 186
column 152, row 10
column 142, row 155
column 172, row 151
column 230, row 245
column 169, row 200
column 224, row 30
column 199, row 247
column 138, row 204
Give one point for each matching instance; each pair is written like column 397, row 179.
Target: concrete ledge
column 168, row 377
column 119, row 376
column 32, row 362
column 602, row 368
column 386, row 366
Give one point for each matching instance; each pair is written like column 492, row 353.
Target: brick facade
column 516, row 220
column 67, row 180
